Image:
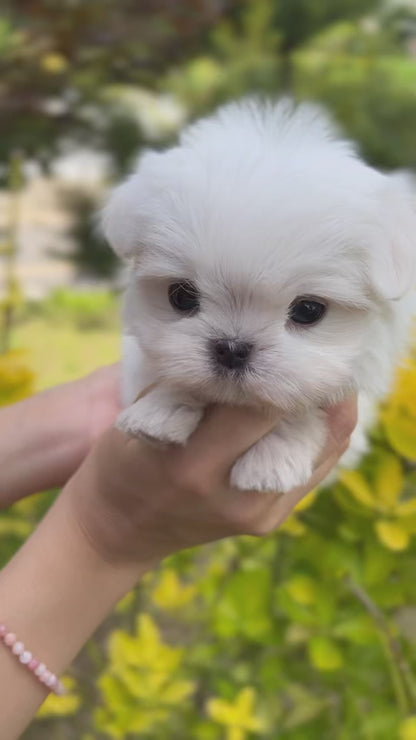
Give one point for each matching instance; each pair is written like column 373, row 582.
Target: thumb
column 226, row 432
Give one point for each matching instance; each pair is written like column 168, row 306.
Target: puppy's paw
column 157, row 416
column 270, row 466
column 283, row 459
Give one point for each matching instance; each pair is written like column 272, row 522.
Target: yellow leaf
column 17, row 527
column 235, row 733
column 170, row 593
column 407, row 729
column 324, row 654
column 389, row 480
column 293, row 526
column 302, row 589
column 392, row 535
column 16, row 377
column 404, row 394
column 306, row 501
column 126, row 603
column 61, row 706
column 407, row 508
column 145, row 651
column 239, row 714
column 358, row 487
column 401, row 433
column 177, row 691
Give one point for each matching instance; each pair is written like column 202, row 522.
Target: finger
column 341, row 421
column 225, row 433
column 342, row 418
column 270, row 510
column 145, row 391
column 289, row 501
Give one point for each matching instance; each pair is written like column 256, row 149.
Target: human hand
column 96, row 402
column 45, row 438
column 137, row 502
column 85, row 408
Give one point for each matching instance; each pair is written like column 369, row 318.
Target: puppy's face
column 256, row 278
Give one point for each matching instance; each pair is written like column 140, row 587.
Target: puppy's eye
column 306, row 311
column 184, row 296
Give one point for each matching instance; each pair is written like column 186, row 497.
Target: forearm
column 53, row 595
column 40, row 444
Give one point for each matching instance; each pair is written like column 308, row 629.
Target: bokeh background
column 307, row 634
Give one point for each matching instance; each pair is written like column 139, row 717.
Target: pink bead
column 18, row 648
column 45, row 676
column 51, row 681
column 25, row 657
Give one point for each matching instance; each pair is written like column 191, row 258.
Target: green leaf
column 306, row 707
column 358, row 487
column 325, row 654
column 245, row 605
column 357, row 630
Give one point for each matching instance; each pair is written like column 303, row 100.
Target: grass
column 60, row 348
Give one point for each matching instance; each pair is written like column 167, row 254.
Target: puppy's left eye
column 306, row 311
column 184, row 296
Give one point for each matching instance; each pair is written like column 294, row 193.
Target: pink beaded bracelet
column 17, row 648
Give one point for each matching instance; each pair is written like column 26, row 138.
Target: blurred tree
column 8, row 254
column 299, row 20
column 91, row 254
column 362, row 72
column 56, row 57
column 349, row 55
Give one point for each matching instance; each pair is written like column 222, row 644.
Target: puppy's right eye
column 184, row 296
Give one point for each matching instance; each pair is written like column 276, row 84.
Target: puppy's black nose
column 231, row 353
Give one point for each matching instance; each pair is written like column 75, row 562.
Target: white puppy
column 268, row 265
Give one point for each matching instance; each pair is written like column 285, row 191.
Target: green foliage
column 244, row 57
column 91, row 255
column 86, row 310
column 372, row 95
column 16, row 377
column 301, row 19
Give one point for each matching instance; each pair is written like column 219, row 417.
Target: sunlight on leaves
column 324, row 654
column 392, row 535
column 239, row 716
column 407, row 729
column 171, row 593
column 62, row 706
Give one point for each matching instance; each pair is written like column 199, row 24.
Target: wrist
column 106, row 510
column 58, row 589
column 53, row 595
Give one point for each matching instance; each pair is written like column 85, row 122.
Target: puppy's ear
column 121, row 218
column 393, row 259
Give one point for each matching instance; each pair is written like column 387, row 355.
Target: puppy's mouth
column 237, row 376
column 240, row 386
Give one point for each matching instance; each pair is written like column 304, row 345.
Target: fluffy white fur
column 257, row 205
